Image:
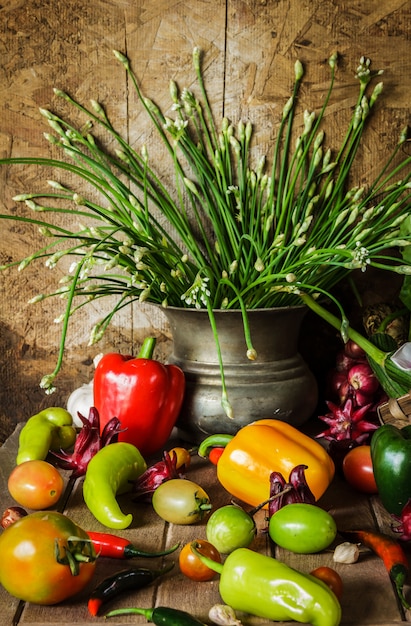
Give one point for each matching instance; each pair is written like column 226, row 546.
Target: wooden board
column 368, row 597
column 250, row 47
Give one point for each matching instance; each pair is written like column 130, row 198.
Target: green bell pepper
column 263, row 586
column 391, row 460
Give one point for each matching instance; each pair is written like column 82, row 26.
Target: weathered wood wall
column 250, row 47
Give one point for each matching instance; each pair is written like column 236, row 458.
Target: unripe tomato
column 181, row 501
column 192, row 567
column 358, row 470
column 31, row 549
column 229, row 528
column 302, row 528
column 35, row 484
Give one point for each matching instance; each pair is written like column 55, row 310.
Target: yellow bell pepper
column 266, row 446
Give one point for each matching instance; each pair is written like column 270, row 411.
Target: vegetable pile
column 268, row 465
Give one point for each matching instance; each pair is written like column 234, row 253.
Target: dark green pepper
column 263, row 586
column 51, row 429
column 391, row 460
column 130, row 579
column 161, row 616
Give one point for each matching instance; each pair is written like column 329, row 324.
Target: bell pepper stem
column 342, row 325
column 213, row 441
column 147, row 348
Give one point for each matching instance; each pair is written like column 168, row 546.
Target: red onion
column 346, row 391
column 337, row 379
column 361, row 399
column 343, row 362
column 363, row 380
column 11, row 515
column 354, row 351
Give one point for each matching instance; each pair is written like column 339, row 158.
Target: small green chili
column 161, row 616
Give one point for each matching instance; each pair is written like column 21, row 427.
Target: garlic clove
column 223, row 615
column 346, row 553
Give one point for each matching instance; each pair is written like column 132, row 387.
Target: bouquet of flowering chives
column 229, row 234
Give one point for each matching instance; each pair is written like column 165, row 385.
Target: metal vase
column 277, row 385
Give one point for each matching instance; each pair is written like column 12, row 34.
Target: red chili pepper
column 143, row 393
column 114, row 547
column 391, row 553
column 214, row 455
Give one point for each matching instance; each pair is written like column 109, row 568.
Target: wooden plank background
column 250, row 47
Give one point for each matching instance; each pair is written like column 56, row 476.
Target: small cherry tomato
column 192, row 567
column 331, row 578
column 183, row 457
column 215, row 454
column 35, row 484
column 358, row 470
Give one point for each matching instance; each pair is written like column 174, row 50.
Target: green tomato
column 229, row 528
column 181, row 501
column 302, row 528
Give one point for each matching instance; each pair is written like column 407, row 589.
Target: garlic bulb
column 80, row 401
column 224, row 615
column 346, row 553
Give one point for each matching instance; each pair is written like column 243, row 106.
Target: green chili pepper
column 391, row 461
column 161, row 616
column 51, row 429
column 265, row 587
column 109, row 473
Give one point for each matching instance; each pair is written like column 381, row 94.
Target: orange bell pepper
column 266, row 446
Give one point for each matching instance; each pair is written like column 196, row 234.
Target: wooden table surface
column 368, row 594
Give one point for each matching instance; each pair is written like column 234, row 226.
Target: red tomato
column 36, row 484
column 331, row 578
column 31, row 570
column 192, row 567
column 358, row 470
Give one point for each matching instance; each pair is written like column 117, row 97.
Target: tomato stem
column 77, row 551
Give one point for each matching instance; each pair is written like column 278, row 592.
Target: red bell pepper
column 144, row 394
